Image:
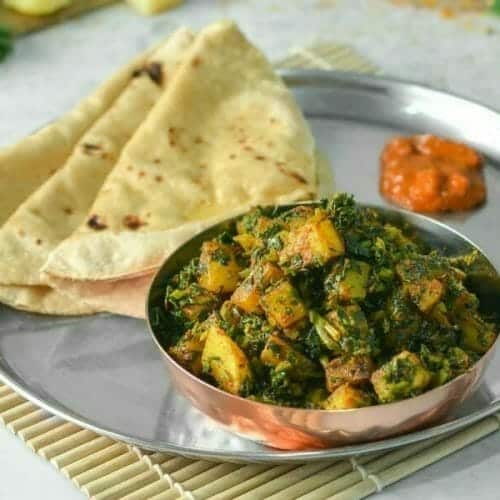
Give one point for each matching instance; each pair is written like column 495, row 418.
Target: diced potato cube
column 219, row 270
column 314, row 243
column 267, row 274
column 188, row 350
column 426, row 293
column 478, row 336
column 148, row 7
column 298, row 216
column 282, row 305
column 278, row 352
column 247, row 297
column 247, row 241
column 354, row 282
column 37, row 7
column 356, row 370
column 402, row 377
column 223, row 359
column 347, row 397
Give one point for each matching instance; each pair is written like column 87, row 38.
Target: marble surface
column 51, row 70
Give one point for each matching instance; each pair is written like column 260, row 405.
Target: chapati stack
column 194, row 130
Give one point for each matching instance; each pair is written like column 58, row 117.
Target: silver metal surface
column 105, row 373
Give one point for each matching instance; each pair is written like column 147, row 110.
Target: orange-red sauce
column 425, row 173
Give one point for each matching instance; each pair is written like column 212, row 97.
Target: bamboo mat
column 104, row 469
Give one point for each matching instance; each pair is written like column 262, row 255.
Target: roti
column 58, row 206
column 227, row 135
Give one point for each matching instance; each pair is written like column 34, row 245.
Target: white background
column 51, row 70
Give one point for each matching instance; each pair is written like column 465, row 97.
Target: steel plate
column 104, row 372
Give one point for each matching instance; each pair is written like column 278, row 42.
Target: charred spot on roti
column 270, row 144
column 142, row 173
column 172, row 140
column 159, row 178
column 95, row 222
column 290, row 173
column 91, row 149
column 232, row 156
column 248, row 148
column 133, row 222
column 198, row 140
column 260, row 158
column 21, row 233
column 157, row 161
column 38, row 241
column 154, row 70
column 197, row 61
column 130, row 168
column 68, row 210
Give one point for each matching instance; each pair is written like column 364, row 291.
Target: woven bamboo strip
column 374, row 483
column 16, row 412
column 164, row 496
column 91, row 461
column 172, row 465
column 66, row 444
column 39, row 428
column 363, row 466
column 254, row 481
column 191, row 470
column 128, row 486
column 10, row 400
column 118, row 476
column 199, row 480
column 335, row 472
column 283, row 481
column 5, row 390
column 29, row 420
column 151, row 490
column 74, row 454
column 61, row 431
column 123, row 460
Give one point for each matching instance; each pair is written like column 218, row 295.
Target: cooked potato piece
column 298, row 216
column 478, row 336
column 267, row 274
column 225, row 361
column 314, row 243
column 401, row 377
column 187, row 351
column 247, row 241
column 278, row 352
column 355, row 370
column 282, row 305
column 247, row 297
column 219, row 270
column 426, row 293
column 347, row 397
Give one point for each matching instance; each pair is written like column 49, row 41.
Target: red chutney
column 425, row 173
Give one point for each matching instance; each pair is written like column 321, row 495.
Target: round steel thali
column 104, row 372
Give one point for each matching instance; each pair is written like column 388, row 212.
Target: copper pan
column 297, row 428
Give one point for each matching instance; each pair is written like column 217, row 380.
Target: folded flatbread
column 60, row 204
column 27, row 164
column 227, row 134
